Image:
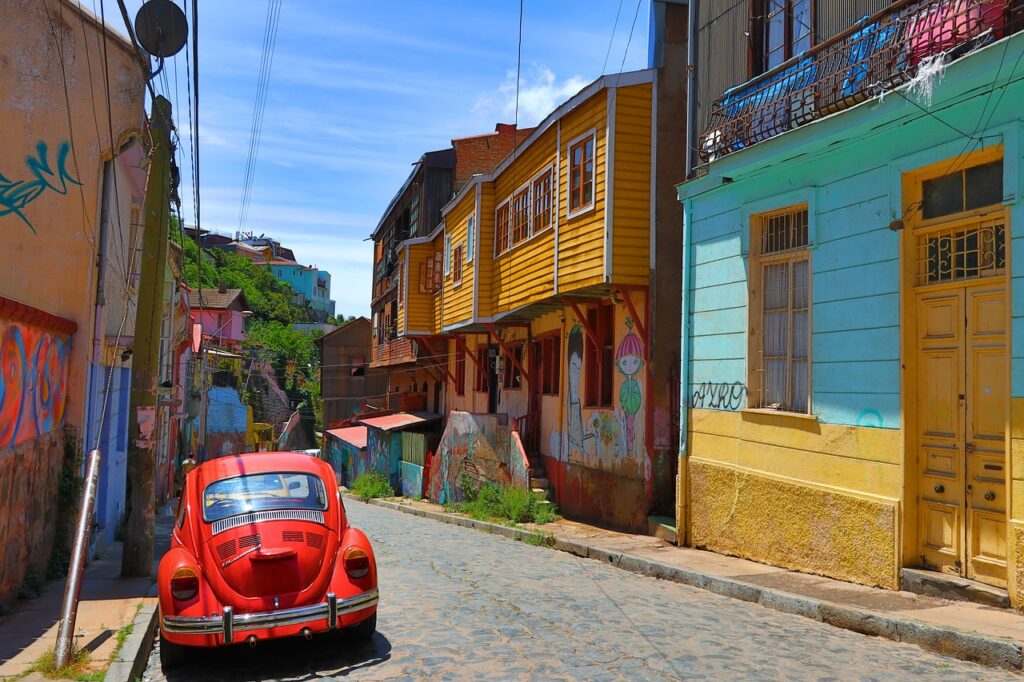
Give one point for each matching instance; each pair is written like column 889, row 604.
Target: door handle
column 969, row 448
column 990, row 496
column 940, row 488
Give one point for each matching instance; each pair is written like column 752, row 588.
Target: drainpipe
column 684, row 376
column 691, row 87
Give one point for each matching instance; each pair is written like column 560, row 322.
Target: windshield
column 262, row 492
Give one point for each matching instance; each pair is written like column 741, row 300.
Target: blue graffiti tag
column 16, row 195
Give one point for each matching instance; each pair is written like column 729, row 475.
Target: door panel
column 940, row 429
column 985, row 445
column 962, row 391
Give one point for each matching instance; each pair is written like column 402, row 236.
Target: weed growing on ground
column 370, row 485
column 76, row 668
column 503, row 504
column 540, row 540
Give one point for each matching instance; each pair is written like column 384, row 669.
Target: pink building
column 222, row 313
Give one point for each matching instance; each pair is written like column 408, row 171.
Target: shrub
column 370, row 485
column 506, row 504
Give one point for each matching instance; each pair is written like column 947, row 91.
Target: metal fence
column 878, row 53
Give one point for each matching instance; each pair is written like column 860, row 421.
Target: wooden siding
column 402, row 286
column 526, row 273
column 485, row 276
column 581, row 239
column 421, row 303
column 631, row 209
column 458, row 299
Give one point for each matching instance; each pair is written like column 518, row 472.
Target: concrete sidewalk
column 984, row 634
column 108, row 603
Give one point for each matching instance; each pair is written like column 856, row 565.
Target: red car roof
column 256, row 463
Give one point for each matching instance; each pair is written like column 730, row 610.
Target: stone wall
column 476, row 448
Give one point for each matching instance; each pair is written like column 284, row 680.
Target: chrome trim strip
column 230, row 522
column 230, row 623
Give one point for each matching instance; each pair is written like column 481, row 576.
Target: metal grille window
column 782, row 378
column 961, row 253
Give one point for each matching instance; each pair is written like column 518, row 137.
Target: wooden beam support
column 461, row 342
column 508, row 353
column 591, row 333
column 430, row 349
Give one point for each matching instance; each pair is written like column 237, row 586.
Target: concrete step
column 540, row 493
column 538, row 472
column 946, row 586
column 663, row 528
column 539, row 483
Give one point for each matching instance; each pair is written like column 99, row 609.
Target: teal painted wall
column 847, row 168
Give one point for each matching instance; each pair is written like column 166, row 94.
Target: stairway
column 539, row 484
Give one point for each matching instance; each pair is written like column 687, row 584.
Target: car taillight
column 184, row 583
column 357, row 562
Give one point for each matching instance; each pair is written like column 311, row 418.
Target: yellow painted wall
column 420, row 303
column 458, row 298
column 403, row 284
column 526, row 273
column 631, row 223
column 1015, row 507
column 485, row 275
column 581, row 239
column 831, row 491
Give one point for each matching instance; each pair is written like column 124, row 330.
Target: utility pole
column 139, row 491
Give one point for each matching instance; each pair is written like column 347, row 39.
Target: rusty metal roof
column 400, row 420
column 353, row 435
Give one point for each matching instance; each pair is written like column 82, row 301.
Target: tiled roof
column 213, row 299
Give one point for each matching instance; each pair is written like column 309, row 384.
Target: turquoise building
column 311, row 286
column 852, row 360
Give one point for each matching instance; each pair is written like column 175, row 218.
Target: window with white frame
column 470, row 236
column 581, row 174
column 447, row 254
column 780, row 311
column 527, row 212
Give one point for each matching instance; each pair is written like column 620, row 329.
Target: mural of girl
column 574, row 417
column 629, row 361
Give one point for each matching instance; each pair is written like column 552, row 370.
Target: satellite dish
column 161, row 28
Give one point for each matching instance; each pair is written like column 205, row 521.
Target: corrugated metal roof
column 400, row 420
column 213, row 299
column 353, row 435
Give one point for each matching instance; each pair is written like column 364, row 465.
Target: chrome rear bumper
column 228, row 623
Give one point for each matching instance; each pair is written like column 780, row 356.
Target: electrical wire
column 611, row 39
column 629, row 39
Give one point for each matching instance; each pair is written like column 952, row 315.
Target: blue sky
column 358, row 91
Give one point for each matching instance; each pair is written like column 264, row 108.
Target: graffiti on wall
column 719, row 396
column 15, row 195
column 475, row 449
column 606, row 438
column 33, row 381
column 226, row 422
column 629, row 360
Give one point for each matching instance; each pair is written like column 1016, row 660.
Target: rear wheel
column 171, row 655
column 364, row 630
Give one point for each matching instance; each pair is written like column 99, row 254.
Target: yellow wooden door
column 985, row 434
column 940, row 419
column 961, row 415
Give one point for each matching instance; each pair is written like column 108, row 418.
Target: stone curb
column 131, row 660
column 991, row 651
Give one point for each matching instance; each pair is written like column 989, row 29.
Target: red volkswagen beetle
column 262, row 549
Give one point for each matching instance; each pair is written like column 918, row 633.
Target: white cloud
column 540, row 92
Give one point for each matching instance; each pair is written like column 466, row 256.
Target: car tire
column 171, row 655
column 363, row 631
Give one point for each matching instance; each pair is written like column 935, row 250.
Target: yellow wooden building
column 535, row 287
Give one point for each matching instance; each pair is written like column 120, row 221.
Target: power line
column 259, row 106
column 611, row 39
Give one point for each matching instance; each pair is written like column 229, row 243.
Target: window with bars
column 965, row 252
column 781, row 306
column 581, row 174
column 542, row 202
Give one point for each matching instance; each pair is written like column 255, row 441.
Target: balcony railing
column 876, row 54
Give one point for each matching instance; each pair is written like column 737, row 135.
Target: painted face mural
column 629, row 361
column 574, row 418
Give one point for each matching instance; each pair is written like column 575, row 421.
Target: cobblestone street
column 460, row 604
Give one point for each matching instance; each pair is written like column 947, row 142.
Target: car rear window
column 262, row 492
